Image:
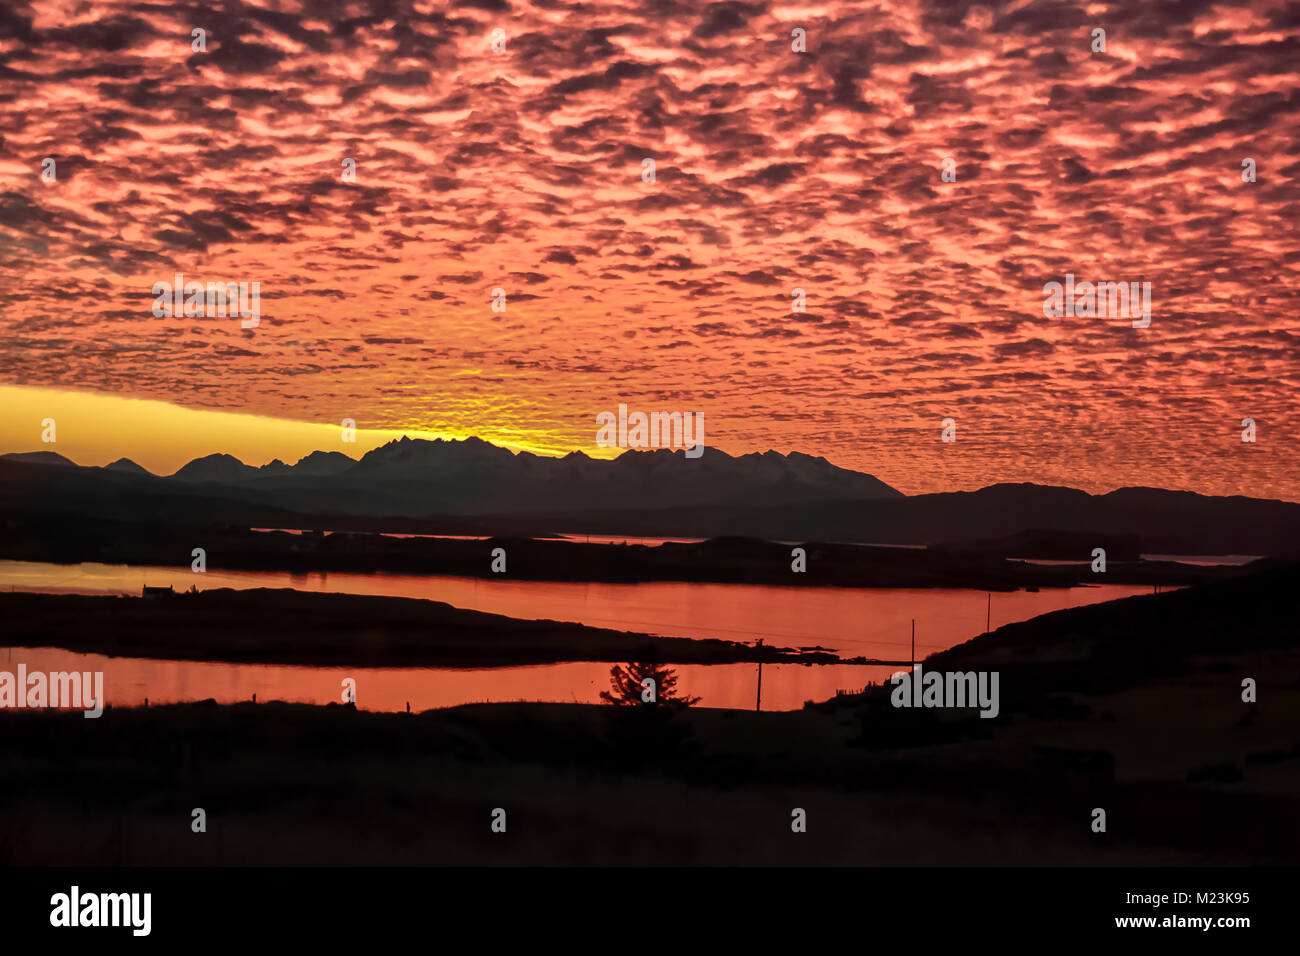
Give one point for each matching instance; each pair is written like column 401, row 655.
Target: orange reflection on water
column 852, row 622
column 129, row 682
column 872, row 623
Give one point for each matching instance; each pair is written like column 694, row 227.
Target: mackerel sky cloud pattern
column 774, row 170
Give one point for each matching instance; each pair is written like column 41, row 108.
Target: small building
column 151, row 594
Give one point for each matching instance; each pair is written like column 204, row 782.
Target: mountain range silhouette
column 655, row 493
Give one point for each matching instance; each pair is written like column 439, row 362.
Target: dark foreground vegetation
column 1134, row 707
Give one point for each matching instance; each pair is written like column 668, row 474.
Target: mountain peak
column 274, row 467
column 218, row 467
column 323, row 463
column 128, row 466
column 407, row 452
column 40, row 458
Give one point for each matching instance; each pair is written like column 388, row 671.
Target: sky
column 520, row 166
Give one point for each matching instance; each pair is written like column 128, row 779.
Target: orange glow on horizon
column 95, row 429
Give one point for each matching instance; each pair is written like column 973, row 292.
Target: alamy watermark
column 952, row 689
column 75, row 908
column 214, row 300
column 1115, row 300
column 655, row 430
column 65, row 689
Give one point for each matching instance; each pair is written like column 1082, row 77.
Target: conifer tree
column 626, row 685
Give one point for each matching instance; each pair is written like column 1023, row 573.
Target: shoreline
column 69, row 539
column 304, row 628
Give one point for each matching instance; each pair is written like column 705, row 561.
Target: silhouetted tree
column 626, row 687
column 643, row 734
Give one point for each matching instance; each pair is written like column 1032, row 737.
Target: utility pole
column 988, row 613
column 758, row 700
column 913, row 645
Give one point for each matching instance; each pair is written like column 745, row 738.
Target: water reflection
column 869, row 623
column 872, row 623
column 129, row 682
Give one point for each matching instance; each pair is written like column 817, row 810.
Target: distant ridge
column 417, row 478
column 420, row 477
column 446, row 486
column 228, row 468
column 39, row 458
